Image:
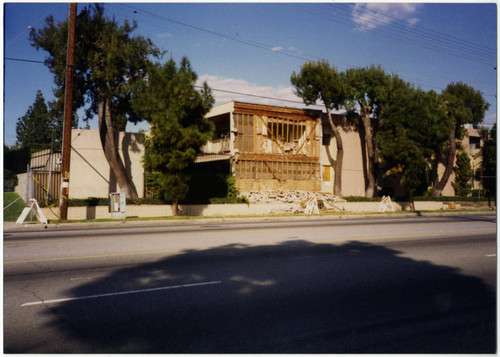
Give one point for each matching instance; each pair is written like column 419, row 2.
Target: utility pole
column 68, row 109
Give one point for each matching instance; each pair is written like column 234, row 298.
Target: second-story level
column 243, row 128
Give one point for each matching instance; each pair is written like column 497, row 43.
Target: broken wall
column 276, row 148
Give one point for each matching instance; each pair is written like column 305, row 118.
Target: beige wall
column 77, row 213
column 89, row 170
column 353, row 182
column 20, row 189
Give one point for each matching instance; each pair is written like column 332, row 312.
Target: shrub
column 226, row 200
column 9, row 180
column 152, row 184
column 463, row 174
column 361, row 199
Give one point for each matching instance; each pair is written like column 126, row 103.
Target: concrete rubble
column 294, row 201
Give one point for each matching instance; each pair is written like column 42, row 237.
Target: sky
column 244, row 49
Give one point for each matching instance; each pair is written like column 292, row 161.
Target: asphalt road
column 404, row 285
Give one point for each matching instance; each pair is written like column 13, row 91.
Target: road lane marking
column 491, row 255
column 190, row 250
column 42, row 302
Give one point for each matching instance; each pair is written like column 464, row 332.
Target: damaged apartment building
column 278, row 148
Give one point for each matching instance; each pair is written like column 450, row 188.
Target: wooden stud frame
column 290, row 134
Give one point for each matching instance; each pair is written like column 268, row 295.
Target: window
column 286, row 131
column 327, row 173
column 474, row 144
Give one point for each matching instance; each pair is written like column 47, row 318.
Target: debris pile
column 325, row 200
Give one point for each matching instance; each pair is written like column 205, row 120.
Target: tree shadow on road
column 294, row 297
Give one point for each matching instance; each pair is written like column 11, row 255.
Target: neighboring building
column 90, row 174
column 473, row 145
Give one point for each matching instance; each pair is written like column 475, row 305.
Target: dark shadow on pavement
column 296, row 297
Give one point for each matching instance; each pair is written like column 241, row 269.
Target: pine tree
column 319, row 81
column 176, row 111
column 463, row 104
column 369, row 92
column 411, row 130
column 35, row 129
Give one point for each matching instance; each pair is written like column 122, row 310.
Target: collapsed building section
column 268, row 147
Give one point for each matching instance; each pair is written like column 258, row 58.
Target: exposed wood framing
column 276, row 144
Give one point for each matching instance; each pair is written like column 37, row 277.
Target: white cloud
column 276, row 48
column 369, row 16
column 261, row 94
column 165, row 35
column 413, row 21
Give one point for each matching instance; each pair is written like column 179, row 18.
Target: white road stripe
column 119, row 293
column 491, row 255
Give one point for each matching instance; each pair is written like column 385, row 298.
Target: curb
column 35, row 226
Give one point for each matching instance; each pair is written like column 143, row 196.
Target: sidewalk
column 32, row 226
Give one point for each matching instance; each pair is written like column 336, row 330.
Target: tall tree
column 368, row 92
column 320, row 81
column 35, row 130
column 109, row 60
column 411, row 130
column 176, row 111
column 463, row 104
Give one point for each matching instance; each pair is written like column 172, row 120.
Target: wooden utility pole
column 68, row 110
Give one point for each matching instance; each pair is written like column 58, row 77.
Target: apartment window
column 286, row 131
column 474, row 144
column 327, row 173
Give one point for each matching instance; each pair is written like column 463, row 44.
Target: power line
column 309, row 57
column 255, row 95
column 431, row 35
column 9, row 41
column 227, row 37
column 245, row 42
column 222, row 90
column 429, row 32
column 395, row 35
column 23, row 60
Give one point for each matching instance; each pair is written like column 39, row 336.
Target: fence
column 45, row 190
column 44, row 176
column 46, row 160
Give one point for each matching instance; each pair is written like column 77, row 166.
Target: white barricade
column 385, row 203
column 312, row 205
column 32, row 205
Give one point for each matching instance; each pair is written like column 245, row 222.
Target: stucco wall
column 89, row 170
column 353, row 182
column 20, row 189
column 77, row 213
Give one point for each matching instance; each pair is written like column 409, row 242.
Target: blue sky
column 253, row 48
